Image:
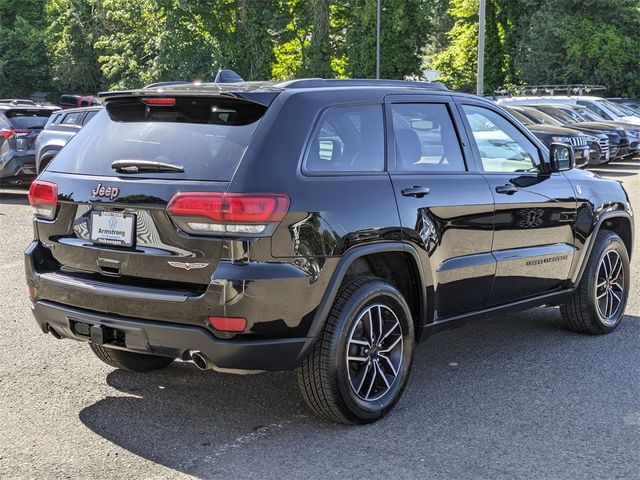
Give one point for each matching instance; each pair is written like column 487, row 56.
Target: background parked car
column 57, row 132
column 19, row 126
column 582, row 114
column 75, row 101
column 603, row 107
column 599, row 142
column 631, row 103
column 618, row 139
column 551, row 133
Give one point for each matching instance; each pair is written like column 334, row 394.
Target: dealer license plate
column 112, row 228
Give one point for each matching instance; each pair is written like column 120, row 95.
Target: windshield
column 569, row 111
column 206, row 151
column 612, row 107
column 588, row 114
column 540, row 118
column 28, row 120
column 520, row 117
column 559, row 115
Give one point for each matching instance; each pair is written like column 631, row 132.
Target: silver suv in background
column 61, row 127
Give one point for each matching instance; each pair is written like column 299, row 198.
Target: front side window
column 426, row 140
column 502, row 147
column 348, row 139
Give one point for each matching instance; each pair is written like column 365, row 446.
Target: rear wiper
column 135, row 166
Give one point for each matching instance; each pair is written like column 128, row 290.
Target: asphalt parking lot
column 512, row 397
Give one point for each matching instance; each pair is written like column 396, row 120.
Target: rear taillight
column 6, row 134
column 231, row 213
column 43, row 197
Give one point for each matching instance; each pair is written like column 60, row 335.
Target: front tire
column 359, row 366
column 130, row 361
column 598, row 304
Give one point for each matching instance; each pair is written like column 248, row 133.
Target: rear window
column 206, row 136
column 27, row 120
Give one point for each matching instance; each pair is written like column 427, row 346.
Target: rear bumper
column 18, row 167
column 170, row 340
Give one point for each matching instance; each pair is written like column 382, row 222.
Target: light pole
column 378, row 38
column 482, row 13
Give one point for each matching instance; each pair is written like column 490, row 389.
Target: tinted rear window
column 205, row 136
column 27, row 120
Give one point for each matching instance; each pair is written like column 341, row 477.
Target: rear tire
column 358, row 368
column 130, row 361
column 597, row 306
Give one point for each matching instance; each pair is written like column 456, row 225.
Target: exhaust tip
column 54, row 332
column 200, row 360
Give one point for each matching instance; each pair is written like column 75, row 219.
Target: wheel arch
column 619, row 222
column 384, row 260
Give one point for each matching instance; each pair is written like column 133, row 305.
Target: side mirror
column 561, row 157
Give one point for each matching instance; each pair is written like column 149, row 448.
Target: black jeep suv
column 319, row 225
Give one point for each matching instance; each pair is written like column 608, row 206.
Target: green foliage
column 91, row 45
column 584, row 42
column 24, row 63
column 403, row 29
column 71, row 35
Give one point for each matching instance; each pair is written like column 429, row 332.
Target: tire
column 329, row 381
column 585, row 312
column 130, row 361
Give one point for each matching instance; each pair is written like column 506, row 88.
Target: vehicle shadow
column 476, row 391
column 13, row 196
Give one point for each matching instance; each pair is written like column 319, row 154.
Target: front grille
column 580, row 141
column 604, row 145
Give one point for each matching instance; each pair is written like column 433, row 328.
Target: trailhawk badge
column 188, row 266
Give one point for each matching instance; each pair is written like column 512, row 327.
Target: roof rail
column 357, row 82
column 549, row 90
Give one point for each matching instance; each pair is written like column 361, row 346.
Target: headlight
column 591, row 138
column 561, row 140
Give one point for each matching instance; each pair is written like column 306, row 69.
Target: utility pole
column 378, row 38
column 482, row 14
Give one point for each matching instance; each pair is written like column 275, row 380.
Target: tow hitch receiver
column 97, row 334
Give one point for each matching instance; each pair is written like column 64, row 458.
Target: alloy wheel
column 374, row 352
column 610, row 287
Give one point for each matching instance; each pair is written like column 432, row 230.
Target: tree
column 71, row 38
column 156, row 40
column 584, row 42
column 404, row 27
column 24, row 64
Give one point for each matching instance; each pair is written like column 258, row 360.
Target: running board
column 439, row 326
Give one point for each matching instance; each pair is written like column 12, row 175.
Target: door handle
column 415, row 191
column 507, row 189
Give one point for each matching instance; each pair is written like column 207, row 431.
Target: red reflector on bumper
column 228, row 324
column 33, row 292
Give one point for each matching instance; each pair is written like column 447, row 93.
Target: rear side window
column 347, row 139
column 206, row 136
column 72, row 119
column 426, row 140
